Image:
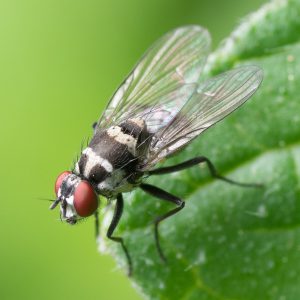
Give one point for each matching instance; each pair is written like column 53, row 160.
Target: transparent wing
column 212, row 101
column 162, row 81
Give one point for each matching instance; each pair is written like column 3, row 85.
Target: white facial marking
column 70, row 200
column 125, row 139
column 94, row 159
column 70, row 209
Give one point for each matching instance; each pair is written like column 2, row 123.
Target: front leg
column 115, row 220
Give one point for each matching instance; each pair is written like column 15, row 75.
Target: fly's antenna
column 55, row 203
column 46, row 199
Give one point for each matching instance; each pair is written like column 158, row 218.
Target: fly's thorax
column 115, row 184
column 93, row 166
column 111, row 160
column 137, row 128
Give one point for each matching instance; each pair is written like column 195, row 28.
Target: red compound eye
column 60, row 179
column 85, row 199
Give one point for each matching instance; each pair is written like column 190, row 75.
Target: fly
column 160, row 108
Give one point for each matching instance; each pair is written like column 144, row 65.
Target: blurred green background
column 60, row 62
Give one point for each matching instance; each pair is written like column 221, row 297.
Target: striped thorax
column 111, row 159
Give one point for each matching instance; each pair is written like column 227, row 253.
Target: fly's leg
column 198, row 160
column 163, row 195
column 115, row 220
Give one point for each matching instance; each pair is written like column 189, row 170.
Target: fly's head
column 76, row 196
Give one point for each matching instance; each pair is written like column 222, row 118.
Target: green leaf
column 231, row 242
